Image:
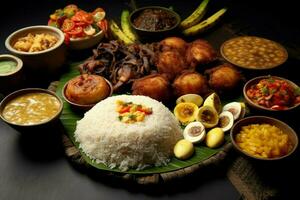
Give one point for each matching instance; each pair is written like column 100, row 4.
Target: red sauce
column 274, row 93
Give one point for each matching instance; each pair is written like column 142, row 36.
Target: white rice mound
column 105, row 139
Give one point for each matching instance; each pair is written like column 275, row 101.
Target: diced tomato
column 68, row 25
column 125, row 109
column 146, row 111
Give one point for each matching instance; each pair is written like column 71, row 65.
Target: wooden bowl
column 259, row 107
column 264, row 120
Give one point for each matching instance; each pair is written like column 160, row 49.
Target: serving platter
column 70, row 116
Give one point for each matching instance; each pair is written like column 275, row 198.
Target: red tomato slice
column 67, row 25
column 88, row 18
column 76, row 32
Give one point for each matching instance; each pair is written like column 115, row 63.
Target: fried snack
column 87, row 89
column 35, row 42
column 223, row 78
column 156, row 86
column 171, row 43
column 170, row 62
column 190, row 82
column 200, row 52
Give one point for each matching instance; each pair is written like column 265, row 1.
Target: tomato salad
column 77, row 23
column 276, row 94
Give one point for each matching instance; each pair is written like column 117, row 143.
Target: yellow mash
column 32, row 108
column 263, row 140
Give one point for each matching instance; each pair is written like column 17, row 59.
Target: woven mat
column 241, row 172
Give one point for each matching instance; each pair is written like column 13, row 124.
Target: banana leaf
column 69, row 117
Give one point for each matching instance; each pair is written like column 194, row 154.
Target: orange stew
column 274, row 93
column 77, row 23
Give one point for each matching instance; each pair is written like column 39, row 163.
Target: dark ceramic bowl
column 264, row 120
column 150, row 35
column 260, row 107
column 35, row 126
column 83, row 106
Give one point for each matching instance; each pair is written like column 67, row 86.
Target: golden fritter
column 190, row 82
column 156, row 86
column 223, row 78
column 170, row 62
column 200, row 52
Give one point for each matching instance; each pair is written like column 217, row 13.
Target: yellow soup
column 32, row 108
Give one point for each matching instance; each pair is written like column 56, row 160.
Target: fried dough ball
column 171, row 43
column 170, row 62
column 190, row 82
column 87, row 89
column 200, row 52
column 156, row 86
column 223, row 78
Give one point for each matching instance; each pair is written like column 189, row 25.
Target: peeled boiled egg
column 235, row 108
column 183, row 149
column 194, row 132
column 214, row 138
column 226, row 120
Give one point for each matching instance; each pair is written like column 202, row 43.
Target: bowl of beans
column 263, row 138
column 253, row 52
column 31, row 108
column 272, row 93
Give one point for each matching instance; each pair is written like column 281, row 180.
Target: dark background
column 35, row 167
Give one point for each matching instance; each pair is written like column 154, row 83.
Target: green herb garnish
column 297, row 91
column 120, row 118
column 264, row 90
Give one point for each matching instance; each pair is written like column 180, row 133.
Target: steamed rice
column 105, row 139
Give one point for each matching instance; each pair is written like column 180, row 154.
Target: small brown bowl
column 259, row 107
column 264, row 120
column 83, row 106
column 151, row 35
column 34, row 126
column 11, row 80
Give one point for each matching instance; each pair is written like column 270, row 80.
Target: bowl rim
column 15, row 94
column 79, row 39
column 177, row 16
column 83, row 106
column 13, row 58
column 257, row 79
column 60, row 41
column 251, row 68
column 260, row 118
